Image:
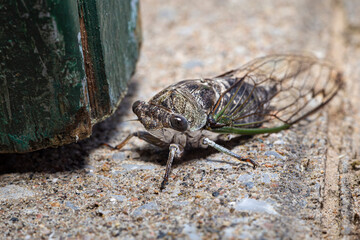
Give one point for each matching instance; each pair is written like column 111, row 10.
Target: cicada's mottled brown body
column 267, row 95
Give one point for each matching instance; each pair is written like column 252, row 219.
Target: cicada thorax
column 193, row 99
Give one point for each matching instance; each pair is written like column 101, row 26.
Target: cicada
column 266, row 95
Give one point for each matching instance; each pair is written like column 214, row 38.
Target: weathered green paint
column 111, row 33
column 44, row 82
column 94, row 59
column 41, row 72
column 119, row 55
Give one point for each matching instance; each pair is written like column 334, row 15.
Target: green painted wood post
column 65, row 65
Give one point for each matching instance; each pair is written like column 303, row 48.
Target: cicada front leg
column 175, row 150
column 147, row 137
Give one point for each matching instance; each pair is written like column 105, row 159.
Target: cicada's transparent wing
column 272, row 93
column 279, row 66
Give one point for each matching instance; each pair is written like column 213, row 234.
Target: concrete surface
column 306, row 188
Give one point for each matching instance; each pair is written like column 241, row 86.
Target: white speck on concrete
column 279, row 142
column 120, row 156
column 245, row 178
column 248, row 204
column 265, row 178
column 137, row 167
column 229, row 232
column 71, row 205
column 15, row 192
column 180, row 203
column 191, row 232
column 275, row 154
column 147, row 206
column 119, row 198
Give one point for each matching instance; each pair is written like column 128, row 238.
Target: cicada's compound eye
column 135, row 105
column 178, row 123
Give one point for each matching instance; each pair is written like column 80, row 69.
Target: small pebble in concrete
column 275, row 154
column 180, row 203
column 137, row 167
column 71, row 205
column 191, row 232
column 249, row 185
column 245, row 177
column 265, row 178
column 119, row 198
column 161, row 234
column 279, row 142
column 119, row 156
column 215, row 194
column 147, row 206
column 247, row 180
column 14, row 219
column 248, row 204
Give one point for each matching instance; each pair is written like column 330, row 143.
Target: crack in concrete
column 331, row 193
column 337, row 211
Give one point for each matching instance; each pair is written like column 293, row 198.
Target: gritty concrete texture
column 307, row 186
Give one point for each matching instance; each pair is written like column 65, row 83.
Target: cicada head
column 155, row 117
